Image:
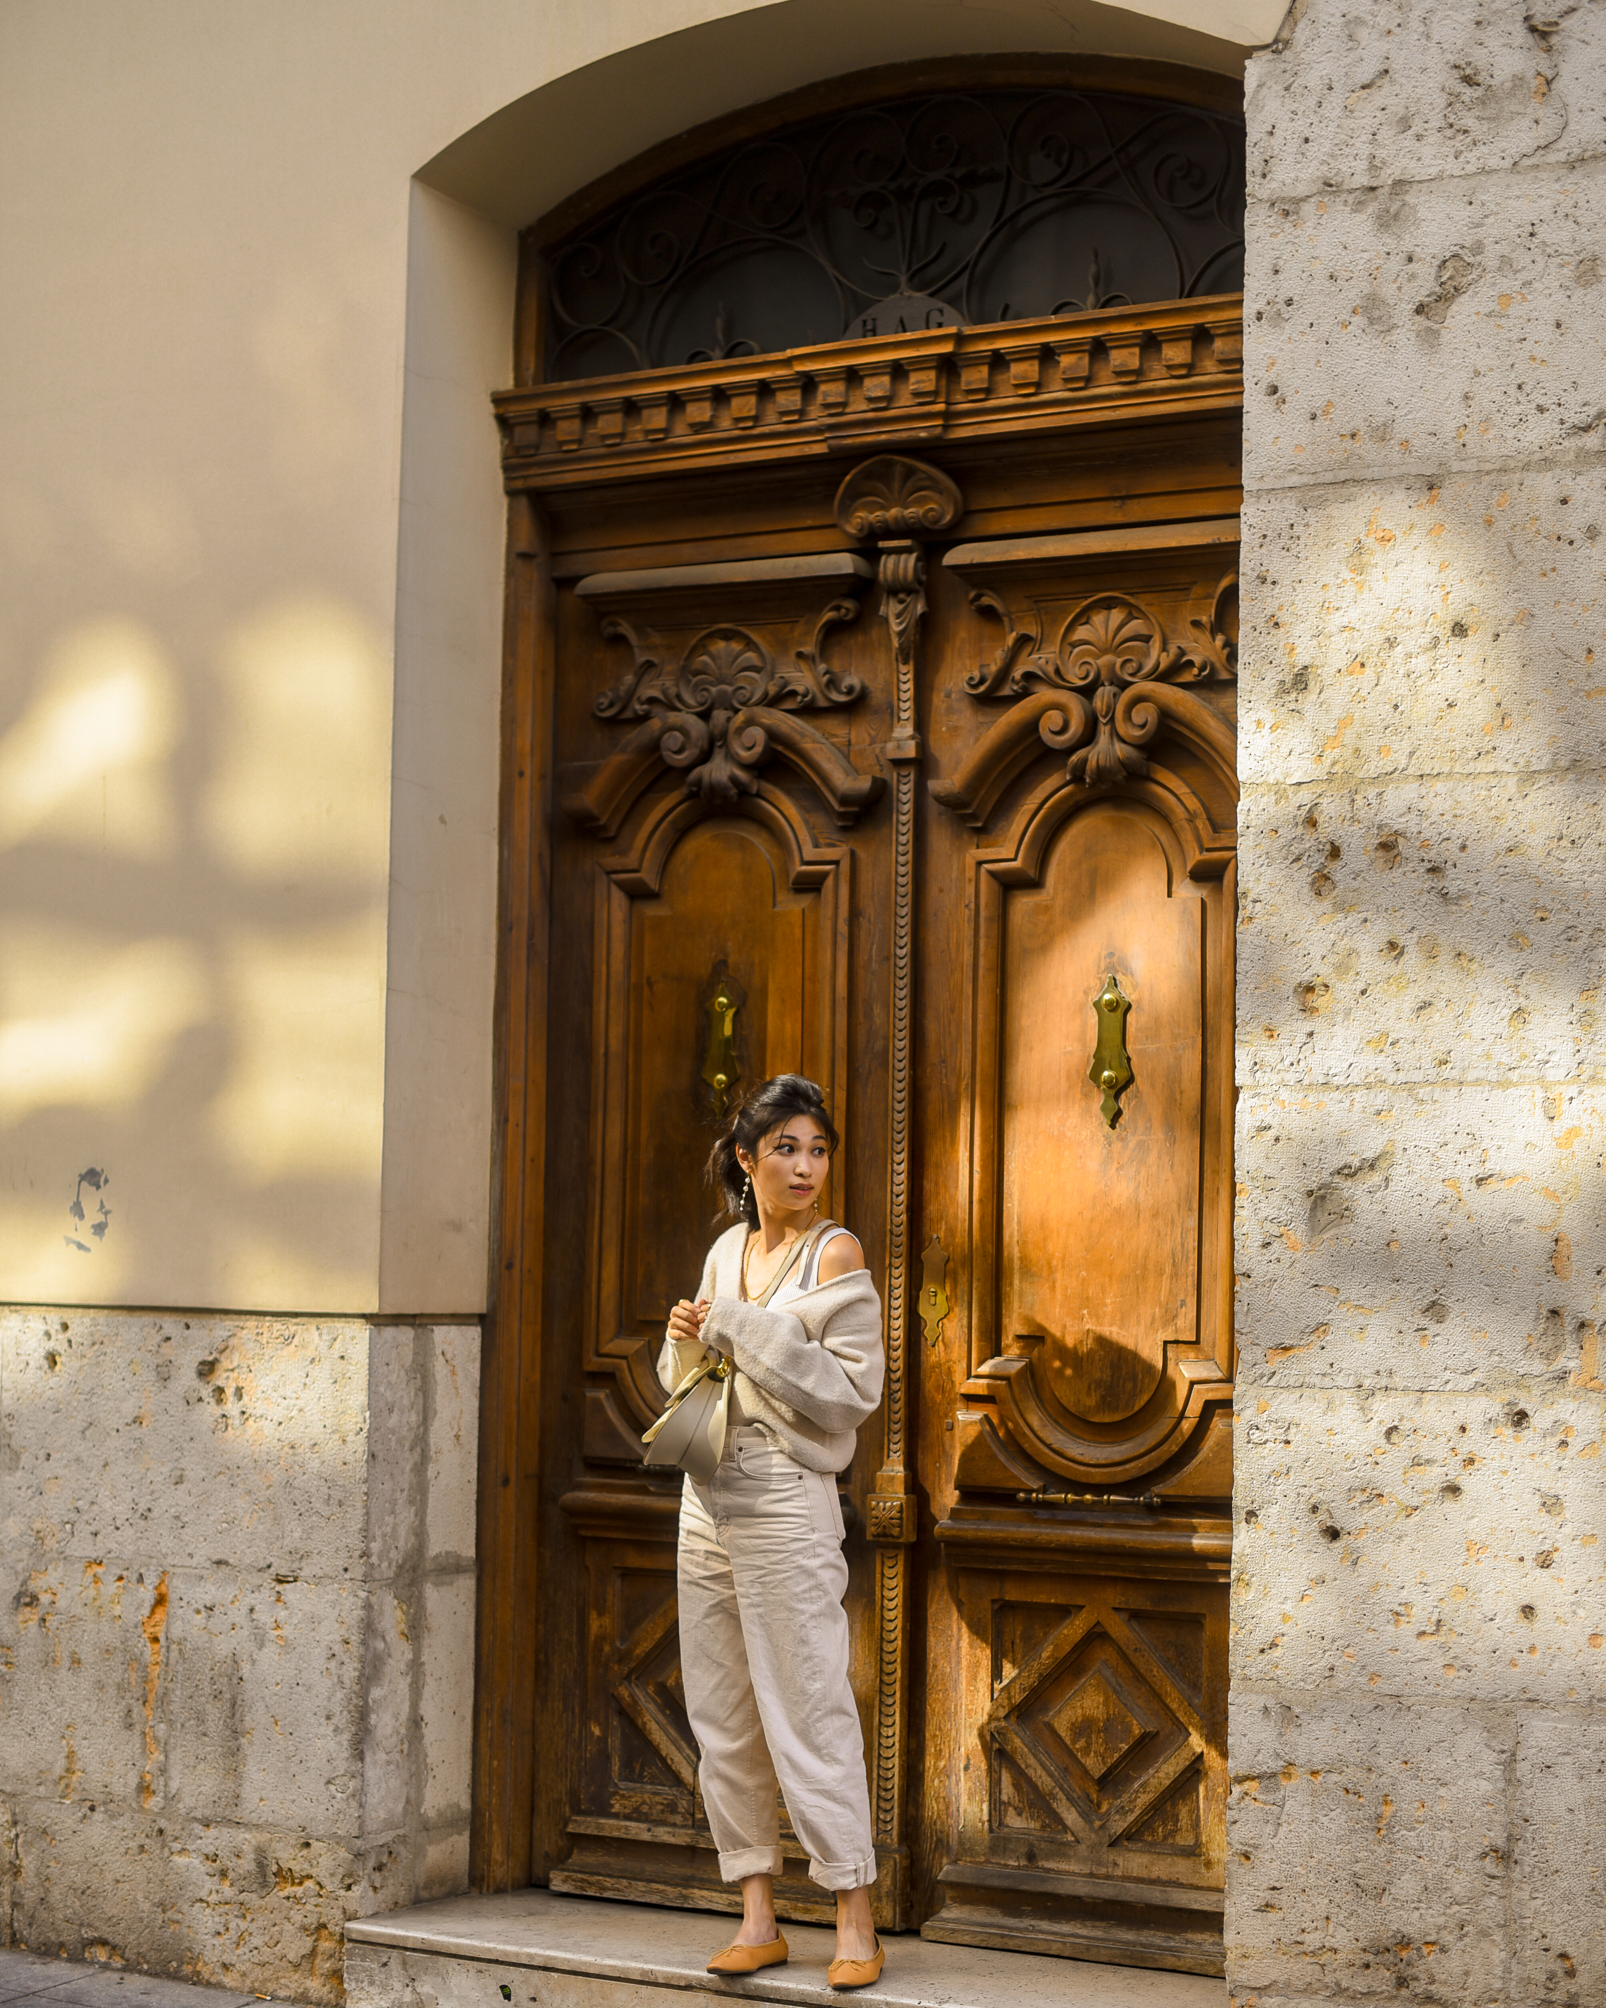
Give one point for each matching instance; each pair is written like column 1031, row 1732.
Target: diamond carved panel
column 651, row 1745
column 1092, row 1735
column 1096, row 1726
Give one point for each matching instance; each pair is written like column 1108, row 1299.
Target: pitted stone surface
column 1436, row 1238
column 1558, row 1865
column 1427, row 328
column 26, row 1977
column 1424, row 90
column 1412, row 629
column 218, row 1534
column 1432, row 1546
column 129, row 1428
column 1418, row 944
column 288, row 1751
column 1369, row 1854
column 446, row 1704
column 1419, row 1597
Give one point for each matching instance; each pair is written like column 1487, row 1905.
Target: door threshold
column 484, row 1951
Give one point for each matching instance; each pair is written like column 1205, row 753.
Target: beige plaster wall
column 250, row 593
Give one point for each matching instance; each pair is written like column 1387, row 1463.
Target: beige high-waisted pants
column 764, row 1659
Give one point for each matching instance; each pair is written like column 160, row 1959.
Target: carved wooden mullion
column 893, row 500
column 892, row 1506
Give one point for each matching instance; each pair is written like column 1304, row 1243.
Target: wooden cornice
column 1179, row 358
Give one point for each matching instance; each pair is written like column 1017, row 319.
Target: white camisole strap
column 811, row 1267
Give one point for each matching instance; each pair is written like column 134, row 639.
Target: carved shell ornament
column 890, row 497
column 1109, row 648
column 718, row 709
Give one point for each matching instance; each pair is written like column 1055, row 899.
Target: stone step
column 535, row 1949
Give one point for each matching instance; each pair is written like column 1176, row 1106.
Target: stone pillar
column 236, row 1635
column 1418, row 1739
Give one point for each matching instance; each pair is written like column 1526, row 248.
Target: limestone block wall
column 236, row 1635
column 1418, row 1740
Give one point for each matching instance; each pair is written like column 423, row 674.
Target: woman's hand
column 686, row 1321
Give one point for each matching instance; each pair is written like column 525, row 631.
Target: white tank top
column 809, row 1275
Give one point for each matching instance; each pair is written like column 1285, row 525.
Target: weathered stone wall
column 236, row 1635
column 1418, row 1739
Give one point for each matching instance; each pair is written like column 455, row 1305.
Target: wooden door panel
column 645, row 1753
column 743, row 909
column 1078, row 1445
column 639, row 1830
column 740, row 906
column 1093, row 1800
column 1100, row 1222
column 1092, row 1722
column 709, row 733
column 1099, row 1328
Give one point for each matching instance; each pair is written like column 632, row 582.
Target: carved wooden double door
column 877, row 723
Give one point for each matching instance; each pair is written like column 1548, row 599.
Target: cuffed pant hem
column 842, row 1875
column 753, row 1862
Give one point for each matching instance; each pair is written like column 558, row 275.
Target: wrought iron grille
column 959, row 209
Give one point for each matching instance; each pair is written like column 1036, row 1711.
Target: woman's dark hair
column 761, row 1109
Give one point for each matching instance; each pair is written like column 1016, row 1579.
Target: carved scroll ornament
column 722, row 712
column 1099, row 694
column 1110, row 640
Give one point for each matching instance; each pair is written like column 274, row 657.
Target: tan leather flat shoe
column 749, row 1958
column 843, row 1973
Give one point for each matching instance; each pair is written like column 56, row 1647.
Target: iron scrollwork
column 964, row 208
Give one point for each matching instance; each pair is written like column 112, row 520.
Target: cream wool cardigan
column 807, row 1375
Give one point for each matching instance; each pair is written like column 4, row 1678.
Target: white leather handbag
column 690, row 1434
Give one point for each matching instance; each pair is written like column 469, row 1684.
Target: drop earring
column 747, row 1193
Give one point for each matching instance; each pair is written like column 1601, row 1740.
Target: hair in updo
column 761, row 1109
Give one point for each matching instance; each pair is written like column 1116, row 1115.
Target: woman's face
column 790, row 1167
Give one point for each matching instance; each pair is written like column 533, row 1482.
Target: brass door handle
column 719, row 1063
column 1111, row 1071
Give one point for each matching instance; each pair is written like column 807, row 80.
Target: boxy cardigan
column 807, row 1374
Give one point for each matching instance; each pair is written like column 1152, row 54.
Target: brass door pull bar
column 1151, row 1500
column 719, row 1064
column 1111, row 1071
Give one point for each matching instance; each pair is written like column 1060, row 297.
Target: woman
column 763, row 1635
